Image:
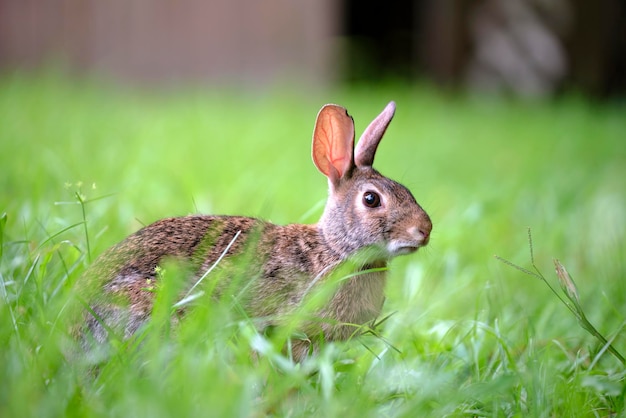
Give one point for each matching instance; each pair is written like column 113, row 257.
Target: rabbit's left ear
column 366, row 147
column 333, row 142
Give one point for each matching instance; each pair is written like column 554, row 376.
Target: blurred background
column 527, row 48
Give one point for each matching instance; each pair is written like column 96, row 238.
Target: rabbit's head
column 365, row 210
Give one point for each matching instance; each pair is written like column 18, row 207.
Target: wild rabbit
column 366, row 214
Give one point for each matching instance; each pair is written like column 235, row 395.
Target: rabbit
column 367, row 217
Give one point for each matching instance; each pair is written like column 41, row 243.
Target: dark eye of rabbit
column 371, row 199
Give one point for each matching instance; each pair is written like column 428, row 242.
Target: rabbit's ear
column 366, row 147
column 333, row 142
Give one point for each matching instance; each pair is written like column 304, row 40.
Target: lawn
column 84, row 164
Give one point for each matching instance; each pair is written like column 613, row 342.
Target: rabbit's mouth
column 406, row 250
column 396, row 248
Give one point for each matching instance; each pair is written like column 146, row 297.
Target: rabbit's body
column 367, row 215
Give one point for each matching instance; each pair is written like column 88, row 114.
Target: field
column 83, row 165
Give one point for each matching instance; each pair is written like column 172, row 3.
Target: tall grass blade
column 3, row 222
column 568, row 287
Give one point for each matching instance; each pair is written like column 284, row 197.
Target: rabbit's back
column 119, row 286
column 196, row 240
column 275, row 264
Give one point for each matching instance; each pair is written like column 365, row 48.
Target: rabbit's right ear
column 333, row 142
column 366, row 148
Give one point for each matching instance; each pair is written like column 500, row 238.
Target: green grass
column 468, row 335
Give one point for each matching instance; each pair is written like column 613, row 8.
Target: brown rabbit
column 366, row 214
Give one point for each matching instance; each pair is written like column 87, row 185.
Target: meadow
column 84, row 164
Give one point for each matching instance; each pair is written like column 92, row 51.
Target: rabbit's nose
column 420, row 234
column 425, row 233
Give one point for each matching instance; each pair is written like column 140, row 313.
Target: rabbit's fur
column 287, row 260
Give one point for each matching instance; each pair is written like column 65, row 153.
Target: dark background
column 529, row 48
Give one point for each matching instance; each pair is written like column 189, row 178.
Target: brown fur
column 288, row 260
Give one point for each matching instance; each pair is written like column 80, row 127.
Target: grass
column 84, row 165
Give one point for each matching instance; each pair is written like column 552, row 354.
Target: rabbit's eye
column 371, row 199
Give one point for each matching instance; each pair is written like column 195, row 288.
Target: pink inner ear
column 333, row 141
